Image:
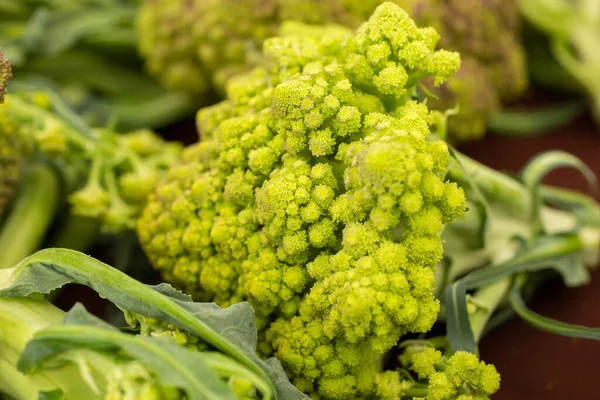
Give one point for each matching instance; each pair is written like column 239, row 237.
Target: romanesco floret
column 462, row 376
column 318, row 194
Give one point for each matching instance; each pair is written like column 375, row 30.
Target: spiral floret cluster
column 318, row 194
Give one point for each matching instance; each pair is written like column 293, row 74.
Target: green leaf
column 459, row 332
column 528, row 123
column 548, row 324
column 168, row 290
column 559, row 252
column 231, row 330
column 540, row 166
column 173, row 365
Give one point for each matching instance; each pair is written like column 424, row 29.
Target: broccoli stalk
column 82, row 366
column 21, row 318
column 30, row 216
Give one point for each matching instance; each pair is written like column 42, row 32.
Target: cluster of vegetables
column 323, row 239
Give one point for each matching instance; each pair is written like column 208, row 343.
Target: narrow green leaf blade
column 541, row 165
column 559, row 252
column 528, row 123
column 459, row 332
column 548, row 324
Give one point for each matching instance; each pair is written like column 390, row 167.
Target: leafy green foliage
column 231, row 330
column 541, row 238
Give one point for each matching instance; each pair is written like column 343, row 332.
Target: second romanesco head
column 196, row 45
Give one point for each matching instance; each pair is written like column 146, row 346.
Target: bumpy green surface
column 317, row 195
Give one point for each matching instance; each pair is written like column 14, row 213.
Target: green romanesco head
column 318, row 194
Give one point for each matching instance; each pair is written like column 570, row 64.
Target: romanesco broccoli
column 319, row 195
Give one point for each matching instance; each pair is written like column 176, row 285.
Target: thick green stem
column 13, row 383
column 493, row 185
column 487, row 300
column 27, row 224
column 20, row 319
